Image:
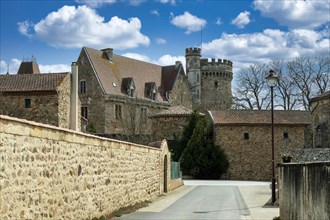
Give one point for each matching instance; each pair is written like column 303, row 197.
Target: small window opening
column 84, row 112
column 143, row 114
column 246, row 136
column 118, row 113
column 286, row 135
column 216, row 84
column 83, row 86
column 27, row 103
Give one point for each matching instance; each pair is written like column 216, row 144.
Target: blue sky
column 245, row 32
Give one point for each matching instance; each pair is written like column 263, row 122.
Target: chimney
column 177, row 64
column 74, row 97
column 109, row 53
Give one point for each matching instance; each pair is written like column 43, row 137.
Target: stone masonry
column 55, row 173
column 251, row 159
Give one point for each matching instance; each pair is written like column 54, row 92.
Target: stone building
column 34, row 96
column 245, row 135
column 320, row 126
column 174, row 119
column 210, row 82
column 118, row 94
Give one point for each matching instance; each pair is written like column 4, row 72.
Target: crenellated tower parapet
column 193, row 70
column 210, row 80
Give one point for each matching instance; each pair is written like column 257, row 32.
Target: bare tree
column 310, row 76
column 250, row 91
column 286, row 92
column 299, row 80
column 134, row 122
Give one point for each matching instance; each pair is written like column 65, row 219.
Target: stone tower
column 210, row 82
column 193, row 70
column 216, row 79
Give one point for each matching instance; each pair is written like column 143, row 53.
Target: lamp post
column 272, row 81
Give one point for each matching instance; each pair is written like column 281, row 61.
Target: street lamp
column 272, row 81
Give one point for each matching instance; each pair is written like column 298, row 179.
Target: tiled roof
column 31, row 82
column 325, row 95
column 169, row 75
column 241, row 117
column 111, row 74
column 177, row 111
column 28, row 68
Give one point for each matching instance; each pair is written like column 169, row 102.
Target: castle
column 210, row 82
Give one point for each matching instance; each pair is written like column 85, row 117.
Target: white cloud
column 72, row 27
column 95, row 3
column 242, row 19
column 296, row 13
column 164, row 60
column 137, row 56
column 167, row 60
column 13, row 66
column 136, row 2
column 246, row 49
column 172, row 2
column 54, row 68
column 218, row 21
column 189, row 22
column 15, row 63
column 161, row 41
column 25, row 27
column 154, row 12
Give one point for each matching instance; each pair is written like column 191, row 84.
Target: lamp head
column 271, row 78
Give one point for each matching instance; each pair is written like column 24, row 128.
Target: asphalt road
column 201, row 202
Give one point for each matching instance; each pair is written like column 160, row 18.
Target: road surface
column 199, row 200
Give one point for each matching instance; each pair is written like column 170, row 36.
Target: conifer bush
column 202, row 158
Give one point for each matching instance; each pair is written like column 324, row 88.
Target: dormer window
column 151, row 90
column 128, row 86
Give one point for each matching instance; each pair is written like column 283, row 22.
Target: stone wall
column 93, row 98
column 64, row 92
column 304, row 190
column 180, row 94
column 54, row 173
column 251, row 159
column 320, row 122
column 169, row 127
column 216, row 84
column 46, row 107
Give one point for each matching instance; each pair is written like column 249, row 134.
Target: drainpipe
column 74, row 97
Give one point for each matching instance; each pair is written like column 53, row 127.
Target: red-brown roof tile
column 263, row 117
column 175, row 111
column 112, row 73
column 28, row 68
column 31, row 82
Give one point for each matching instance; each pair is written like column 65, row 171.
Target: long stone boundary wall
column 54, row 173
column 304, row 190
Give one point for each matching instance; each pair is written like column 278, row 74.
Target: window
column 131, row 90
column 118, row 113
column 83, row 86
column 197, row 77
column 143, row 115
column 181, row 99
column 286, row 135
column 246, row 136
column 216, row 84
column 153, row 94
column 27, row 103
column 84, row 112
